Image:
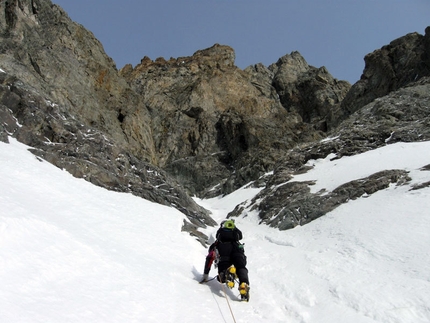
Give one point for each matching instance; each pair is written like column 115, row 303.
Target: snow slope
column 74, row 252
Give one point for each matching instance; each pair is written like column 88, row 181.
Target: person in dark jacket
column 228, row 251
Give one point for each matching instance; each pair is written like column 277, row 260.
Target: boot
column 244, row 291
column 230, row 276
column 205, row 278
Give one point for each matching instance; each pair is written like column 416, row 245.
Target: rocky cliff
column 168, row 129
column 215, row 125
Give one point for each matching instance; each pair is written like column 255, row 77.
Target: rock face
column 43, row 48
column 312, row 92
column 215, row 125
column 168, row 129
column 403, row 61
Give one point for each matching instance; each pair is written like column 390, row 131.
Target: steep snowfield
column 73, row 252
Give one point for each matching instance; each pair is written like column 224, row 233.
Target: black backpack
column 228, row 235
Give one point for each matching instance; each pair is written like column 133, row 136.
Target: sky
column 332, row 33
column 74, row 252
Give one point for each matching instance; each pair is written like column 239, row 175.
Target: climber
column 225, row 252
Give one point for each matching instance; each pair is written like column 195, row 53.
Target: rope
column 226, row 298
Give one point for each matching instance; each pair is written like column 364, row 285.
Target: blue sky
column 332, row 33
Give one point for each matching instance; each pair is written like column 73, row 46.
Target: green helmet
column 229, row 224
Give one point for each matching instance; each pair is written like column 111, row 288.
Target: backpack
column 228, row 232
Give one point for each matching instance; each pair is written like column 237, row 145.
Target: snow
column 74, row 252
column 331, row 173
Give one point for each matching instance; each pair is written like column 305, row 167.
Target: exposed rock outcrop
column 216, row 125
column 401, row 116
column 403, row 61
column 312, row 92
column 303, row 206
column 67, row 64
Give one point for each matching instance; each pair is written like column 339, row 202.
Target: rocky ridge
column 168, row 129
